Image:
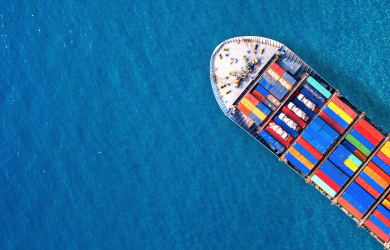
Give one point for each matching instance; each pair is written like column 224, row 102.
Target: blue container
column 313, row 142
column 379, row 224
column 357, row 198
column 314, row 92
column 262, row 91
column 279, row 87
column 354, row 203
column 306, row 93
column 320, row 135
column 269, row 79
column 363, row 193
column 381, row 165
column 336, row 118
column 381, row 209
column 265, row 84
column 351, row 148
column 302, row 106
column 297, row 164
column 362, row 140
column 286, row 76
column 338, row 158
column 266, row 136
column 277, row 94
column 269, row 105
column 279, row 148
column 346, row 170
column 285, row 127
column 255, row 118
column 371, row 182
column 328, row 172
column 336, row 171
column 305, row 153
column 344, row 151
column 317, row 102
column 263, row 109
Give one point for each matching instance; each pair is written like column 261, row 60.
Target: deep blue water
column 111, row 137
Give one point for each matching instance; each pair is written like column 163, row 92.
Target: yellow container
column 259, row 114
column 301, row 158
column 248, row 104
column 375, row 177
column 294, row 152
column 340, row 113
column 386, row 149
column 351, row 165
column 386, row 203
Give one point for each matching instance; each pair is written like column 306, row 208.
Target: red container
column 384, row 158
column 331, row 123
column 294, row 117
column 310, row 148
column 344, row 107
column 350, row 208
column 382, row 218
column 377, row 231
column 369, row 132
column 277, row 69
column 252, row 99
column 327, row 181
column 359, row 155
column 367, row 187
column 258, row 96
column 285, row 143
column 379, row 172
column 243, row 109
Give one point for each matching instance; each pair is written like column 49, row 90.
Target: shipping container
column 274, row 101
column 381, row 217
column 289, row 78
column 279, row 148
column 266, row 136
column 314, row 92
column 328, row 181
column 294, row 161
column 350, row 164
column 340, row 112
column 269, row 78
column 366, row 135
column 313, row 142
column 248, row 104
column 266, row 85
column 252, row 99
column 386, row 203
column 294, row 117
column 362, row 193
column 258, row 96
column 318, row 87
column 310, row 148
column 382, row 173
column 384, row 212
column 358, row 145
column 277, row 69
column 334, row 173
column 318, row 135
column 285, row 84
column 243, row 109
column 321, row 132
column 371, row 130
column 382, row 165
column 362, row 140
column 386, row 149
column 256, row 119
column 348, row 146
column 354, row 203
column 346, row 170
column 380, row 225
column 306, row 93
column 263, row 109
column 276, row 93
column 259, row 114
column 323, row 186
column 331, row 122
column 336, row 118
column 344, row 107
column 373, row 184
column 285, row 127
column 262, row 91
column 326, row 127
column 377, row 231
column 349, row 208
column 317, row 102
column 269, row 105
column 355, row 160
column 375, row 177
column 359, row 155
column 272, row 73
column 383, row 157
column 305, row 153
column 301, row 158
column 367, row 187
column 339, row 157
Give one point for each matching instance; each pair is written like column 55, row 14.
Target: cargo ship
column 267, row 90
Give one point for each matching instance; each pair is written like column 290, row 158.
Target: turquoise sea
column 111, row 137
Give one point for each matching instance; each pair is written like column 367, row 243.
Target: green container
column 318, row 87
column 355, row 160
column 358, row 145
column 323, row 186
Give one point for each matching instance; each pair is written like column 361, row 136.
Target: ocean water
column 111, row 137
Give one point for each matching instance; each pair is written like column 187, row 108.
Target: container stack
column 272, row 143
